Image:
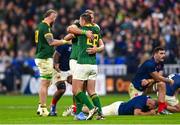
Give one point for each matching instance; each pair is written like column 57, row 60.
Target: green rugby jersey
column 84, row 43
column 43, row 49
column 75, row 48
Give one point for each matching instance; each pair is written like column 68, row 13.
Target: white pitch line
column 17, row 107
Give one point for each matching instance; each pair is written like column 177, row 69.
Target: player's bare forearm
column 101, row 46
column 69, row 36
column 74, row 30
column 157, row 77
column 54, row 42
column 140, row 112
column 58, row 42
column 147, row 82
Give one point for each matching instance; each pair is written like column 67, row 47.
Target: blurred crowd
column 130, row 30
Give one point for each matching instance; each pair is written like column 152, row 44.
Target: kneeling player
column 61, row 64
column 171, row 93
column 152, row 69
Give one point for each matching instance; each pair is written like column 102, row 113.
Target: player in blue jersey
column 171, row 93
column 152, row 69
column 61, row 65
column 140, row 105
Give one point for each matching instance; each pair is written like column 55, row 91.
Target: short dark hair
column 86, row 17
column 157, row 49
column 48, row 12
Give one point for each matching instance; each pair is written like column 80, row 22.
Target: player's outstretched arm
column 69, row 37
column 156, row 76
column 54, row 42
column 140, row 112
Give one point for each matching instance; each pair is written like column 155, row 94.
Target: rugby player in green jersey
column 91, row 50
column 43, row 58
column 87, row 51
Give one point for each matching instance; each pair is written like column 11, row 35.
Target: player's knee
column 91, row 91
column 61, row 86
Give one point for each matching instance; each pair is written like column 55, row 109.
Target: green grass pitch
column 22, row 110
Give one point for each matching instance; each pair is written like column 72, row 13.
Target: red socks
column 54, row 101
column 161, row 106
column 74, row 108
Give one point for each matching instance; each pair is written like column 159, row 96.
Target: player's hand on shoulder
column 56, row 67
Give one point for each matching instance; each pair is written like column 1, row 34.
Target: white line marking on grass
column 17, row 107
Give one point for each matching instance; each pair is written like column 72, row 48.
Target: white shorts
column 111, row 109
column 72, row 65
column 171, row 100
column 85, row 72
column 133, row 92
column 45, row 67
column 62, row 76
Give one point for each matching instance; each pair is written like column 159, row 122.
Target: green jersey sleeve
column 47, row 31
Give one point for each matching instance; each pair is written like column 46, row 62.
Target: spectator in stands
column 12, row 78
column 138, row 24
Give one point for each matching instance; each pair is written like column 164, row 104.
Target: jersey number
column 36, row 36
column 93, row 42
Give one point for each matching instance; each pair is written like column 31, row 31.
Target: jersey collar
column 88, row 25
column 46, row 22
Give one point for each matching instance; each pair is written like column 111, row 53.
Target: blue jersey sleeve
column 177, row 80
column 150, row 67
column 59, row 49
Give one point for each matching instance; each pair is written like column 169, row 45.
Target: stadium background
column 130, row 30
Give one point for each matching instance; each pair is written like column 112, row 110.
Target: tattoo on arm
column 49, row 37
